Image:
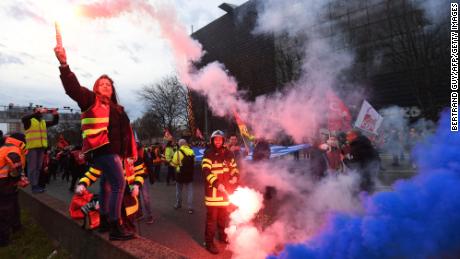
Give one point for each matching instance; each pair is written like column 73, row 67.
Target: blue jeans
column 112, row 185
column 145, row 199
column 179, row 187
column 34, row 164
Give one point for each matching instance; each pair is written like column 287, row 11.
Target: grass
column 31, row 242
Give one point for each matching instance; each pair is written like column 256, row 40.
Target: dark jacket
column 362, row 153
column 120, row 133
column 365, row 159
column 317, row 162
column 261, row 151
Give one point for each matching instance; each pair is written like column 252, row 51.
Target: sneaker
column 150, row 220
column 176, row 207
column 190, row 211
column 211, row 247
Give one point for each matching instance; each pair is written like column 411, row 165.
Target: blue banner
column 276, row 151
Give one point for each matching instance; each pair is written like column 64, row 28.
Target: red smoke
column 296, row 112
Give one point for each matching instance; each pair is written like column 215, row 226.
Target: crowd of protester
column 172, row 163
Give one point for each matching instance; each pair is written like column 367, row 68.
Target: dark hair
column 114, row 97
column 19, row 136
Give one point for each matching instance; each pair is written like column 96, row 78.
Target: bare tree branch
column 166, row 103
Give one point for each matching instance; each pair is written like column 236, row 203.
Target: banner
column 276, row 151
column 368, row 119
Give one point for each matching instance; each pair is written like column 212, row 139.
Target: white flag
column 368, row 119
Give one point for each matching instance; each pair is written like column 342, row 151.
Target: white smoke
column 298, row 210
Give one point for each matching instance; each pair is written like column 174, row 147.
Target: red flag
column 198, row 134
column 339, row 117
column 168, row 135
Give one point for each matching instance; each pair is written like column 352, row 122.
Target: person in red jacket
column 107, row 139
column 221, row 176
column 77, row 166
column 62, row 142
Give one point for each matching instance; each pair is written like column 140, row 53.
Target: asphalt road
column 183, row 232
column 175, row 229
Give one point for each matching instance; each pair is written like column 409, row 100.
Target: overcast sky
column 127, row 48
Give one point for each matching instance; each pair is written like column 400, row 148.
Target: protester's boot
column 211, row 247
column 117, row 232
column 103, row 224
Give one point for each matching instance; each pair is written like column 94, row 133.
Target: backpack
column 86, row 207
column 185, row 175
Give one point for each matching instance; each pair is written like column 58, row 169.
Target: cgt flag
column 368, row 118
column 338, row 116
column 168, row 135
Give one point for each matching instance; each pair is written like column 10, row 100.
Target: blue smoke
column 419, row 219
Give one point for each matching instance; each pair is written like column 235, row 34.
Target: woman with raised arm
column 107, row 140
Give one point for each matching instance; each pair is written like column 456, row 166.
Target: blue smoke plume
column 419, row 219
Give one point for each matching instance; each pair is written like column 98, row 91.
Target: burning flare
column 241, row 232
column 58, row 34
column 248, row 202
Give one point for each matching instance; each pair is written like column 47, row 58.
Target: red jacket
column 120, row 133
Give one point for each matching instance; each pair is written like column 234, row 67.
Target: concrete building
column 401, row 58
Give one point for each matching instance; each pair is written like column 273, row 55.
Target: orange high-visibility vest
column 36, row 136
column 94, row 126
column 11, row 146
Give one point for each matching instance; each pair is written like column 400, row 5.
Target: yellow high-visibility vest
column 36, row 136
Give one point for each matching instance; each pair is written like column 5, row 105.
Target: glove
column 135, row 190
column 80, row 189
column 221, row 188
column 234, row 180
column 324, row 146
column 24, row 182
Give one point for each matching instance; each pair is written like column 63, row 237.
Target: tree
column 418, row 47
column 146, row 127
column 166, row 103
column 71, row 132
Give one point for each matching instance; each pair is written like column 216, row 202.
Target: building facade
column 400, row 53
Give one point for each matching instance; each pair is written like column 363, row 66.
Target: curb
column 52, row 215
